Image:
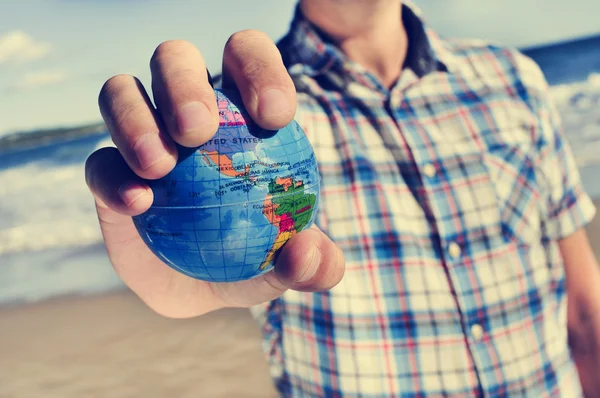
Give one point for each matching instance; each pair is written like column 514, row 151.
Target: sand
column 113, row 346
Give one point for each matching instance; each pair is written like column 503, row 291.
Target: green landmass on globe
column 289, row 213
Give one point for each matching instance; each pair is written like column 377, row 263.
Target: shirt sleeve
column 566, row 205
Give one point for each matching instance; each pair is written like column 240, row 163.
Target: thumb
column 114, row 185
column 308, row 262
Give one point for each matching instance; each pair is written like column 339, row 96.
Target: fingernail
column 193, row 117
column 131, row 191
column 150, row 149
column 311, row 269
column 272, row 103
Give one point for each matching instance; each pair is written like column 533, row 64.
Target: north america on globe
column 229, row 206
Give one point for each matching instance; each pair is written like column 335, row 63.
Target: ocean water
column 50, row 243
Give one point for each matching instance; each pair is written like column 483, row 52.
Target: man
column 447, row 187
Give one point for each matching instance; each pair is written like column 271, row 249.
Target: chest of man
column 434, row 197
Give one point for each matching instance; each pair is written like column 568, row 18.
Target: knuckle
column 115, row 85
column 243, row 36
column 254, row 69
column 252, row 54
column 90, row 168
column 184, row 77
column 95, row 157
column 91, row 160
column 170, row 48
column 181, row 86
column 243, row 41
column 93, row 165
column 129, row 110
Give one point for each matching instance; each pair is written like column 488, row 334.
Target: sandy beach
column 113, row 346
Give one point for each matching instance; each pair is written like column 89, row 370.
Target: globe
column 228, row 207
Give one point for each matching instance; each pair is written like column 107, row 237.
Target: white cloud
column 17, row 47
column 40, row 79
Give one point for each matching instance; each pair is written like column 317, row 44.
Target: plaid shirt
column 447, row 193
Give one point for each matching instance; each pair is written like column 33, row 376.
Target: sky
column 56, row 54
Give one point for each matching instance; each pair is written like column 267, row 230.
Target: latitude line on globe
column 227, row 204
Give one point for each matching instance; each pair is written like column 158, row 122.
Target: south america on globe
column 228, row 207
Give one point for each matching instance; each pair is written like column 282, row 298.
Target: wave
column 579, row 107
column 45, row 206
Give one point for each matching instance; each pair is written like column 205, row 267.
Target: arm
column 583, row 313
column 566, row 209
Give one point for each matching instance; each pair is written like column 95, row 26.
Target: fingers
column 252, row 62
column 135, row 127
column 186, row 110
column 114, row 184
column 183, row 94
column 310, row 261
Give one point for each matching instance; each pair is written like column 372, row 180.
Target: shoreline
column 111, row 344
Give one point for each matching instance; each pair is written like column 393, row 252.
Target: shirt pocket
column 511, row 163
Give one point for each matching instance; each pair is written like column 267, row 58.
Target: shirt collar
column 307, row 50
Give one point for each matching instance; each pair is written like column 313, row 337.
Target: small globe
column 228, row 207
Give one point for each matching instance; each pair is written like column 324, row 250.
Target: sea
column 50, row 243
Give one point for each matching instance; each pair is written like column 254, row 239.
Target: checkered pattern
column 447, row 194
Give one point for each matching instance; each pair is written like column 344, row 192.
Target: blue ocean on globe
column 228, row 207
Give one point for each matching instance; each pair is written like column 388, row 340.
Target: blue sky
column 55, row 54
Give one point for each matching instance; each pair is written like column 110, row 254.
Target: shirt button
column 477, row 332
column 454, row 250
column 429, row 170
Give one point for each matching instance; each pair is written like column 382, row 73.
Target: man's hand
column 185, row 112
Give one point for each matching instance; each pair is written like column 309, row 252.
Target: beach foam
column 579, row 107
column 46, row 206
